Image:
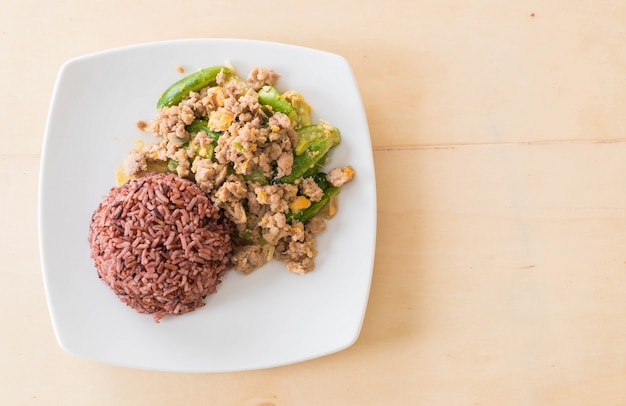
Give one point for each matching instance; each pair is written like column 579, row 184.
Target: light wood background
column 499, row 133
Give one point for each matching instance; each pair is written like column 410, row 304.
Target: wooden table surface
column 499, row 137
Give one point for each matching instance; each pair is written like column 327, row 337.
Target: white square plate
column 268, row 318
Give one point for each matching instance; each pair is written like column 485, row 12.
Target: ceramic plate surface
column 269, row 318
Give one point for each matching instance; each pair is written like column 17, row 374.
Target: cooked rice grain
column 160, row 244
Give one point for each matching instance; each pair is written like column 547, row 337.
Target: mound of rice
column 160, row 244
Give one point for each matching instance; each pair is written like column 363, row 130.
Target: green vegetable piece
column 314, row 132
column 318, row 140
column 316, row 168
column 198, row 125
column 269, row 96
column 257, row 176
column 205, row 152
column 308, row 160
column 172, row 165
column 305, row 136
column 190, row 83
column 301, row 107
column 322, row 180
column 251, row 234
column 247, row 236
column 305, row 215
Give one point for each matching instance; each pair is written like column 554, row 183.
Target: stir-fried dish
column 256, row 154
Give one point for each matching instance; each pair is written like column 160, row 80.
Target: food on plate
column 257, row 155
column 235, row 179
column 160, row 244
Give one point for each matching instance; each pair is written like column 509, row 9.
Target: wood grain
column 498, row 132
